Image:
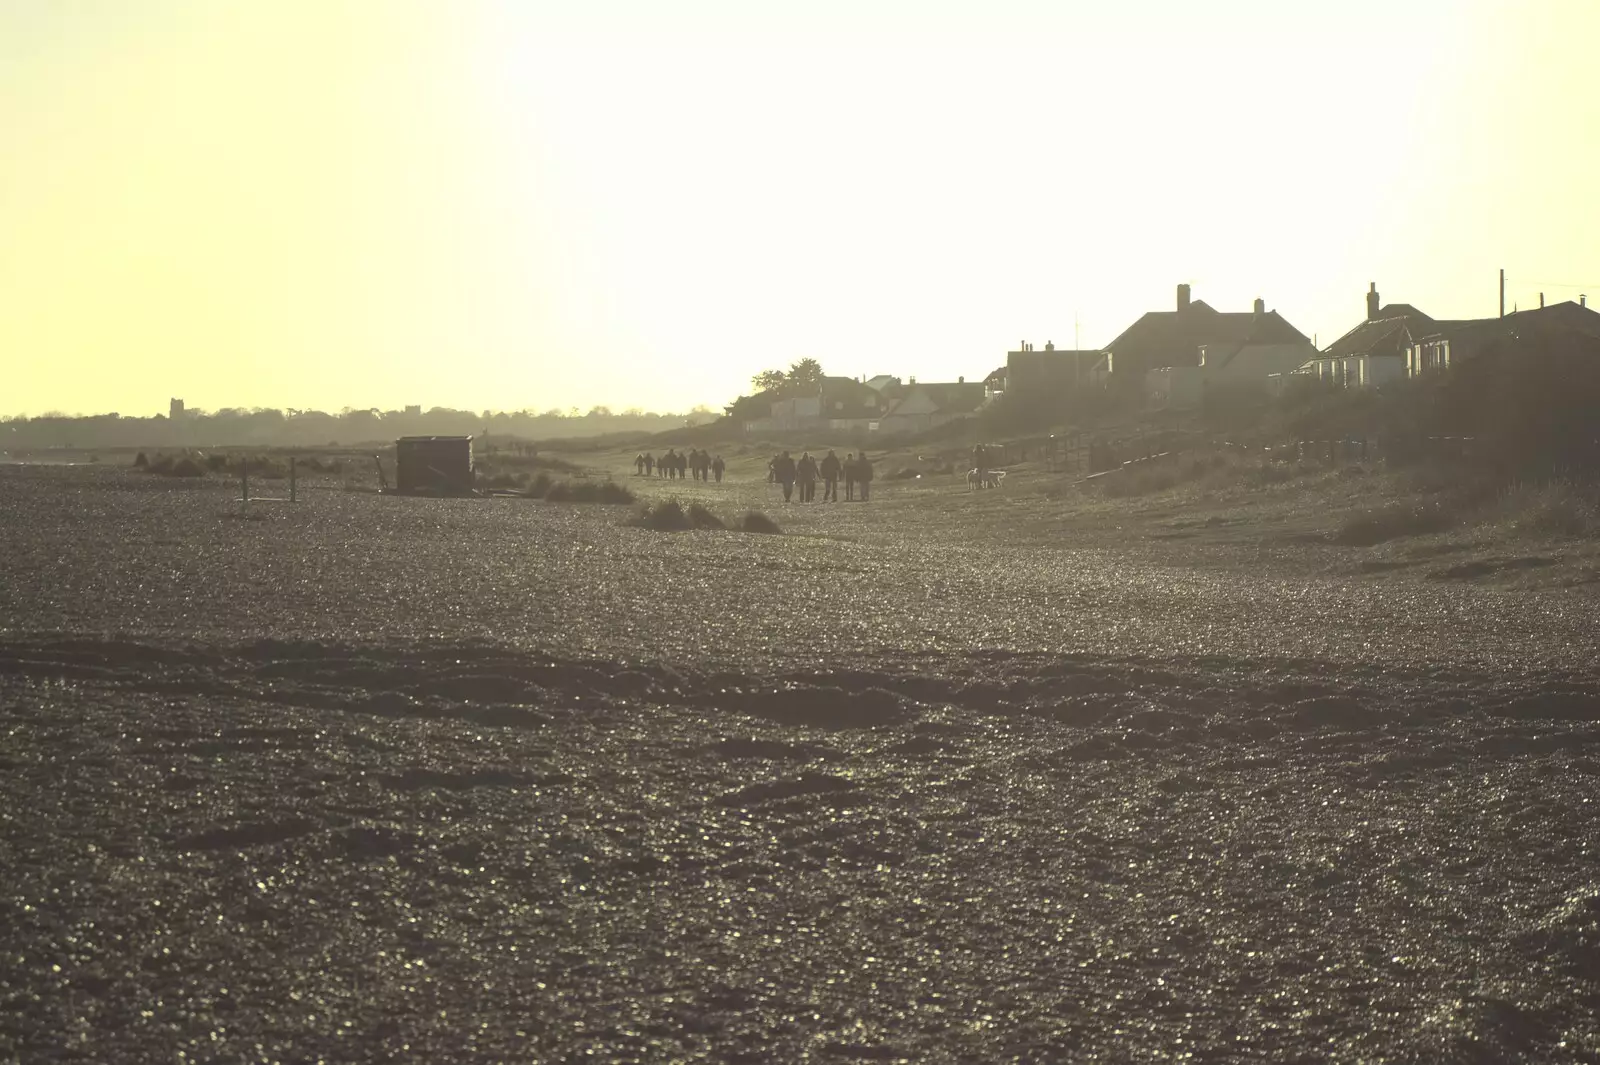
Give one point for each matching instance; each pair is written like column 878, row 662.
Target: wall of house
column 1175, row 386
column 1379, row 370
column 1254, row 362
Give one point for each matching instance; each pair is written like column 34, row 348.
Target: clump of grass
column 672, row 516
column 701, row 518
column 174, row 466
column 756, row 522
column 1392, row 523
column 1551, row 509
column 587, row 492
column 1140, row 481
column 502, row 480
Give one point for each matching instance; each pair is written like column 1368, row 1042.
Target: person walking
column 649, row 464
column 849, row 477
column 806, row 474
column 830, row 477
column 717, row 466
column 864, row 474
column 783, row 471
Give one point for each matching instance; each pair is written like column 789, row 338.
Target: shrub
column 756, row 522
column 141, row 462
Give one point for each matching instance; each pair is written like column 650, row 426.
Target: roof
column 953, row 397
column 434, row 440
column 1160, row 338
column 1565, row 315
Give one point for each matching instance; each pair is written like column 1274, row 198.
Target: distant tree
column 770, row 381
column 805, row 372
column 802, row 375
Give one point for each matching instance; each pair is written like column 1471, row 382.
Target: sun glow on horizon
column 512, row 205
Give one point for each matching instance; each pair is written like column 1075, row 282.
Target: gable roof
column 954, row 397
column 1386, row 334
column 1174, row 338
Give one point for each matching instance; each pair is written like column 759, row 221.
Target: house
column 995, row 383
column 1174, row 338
column 1374, row 352
column 1450, row 343
column 928, row 405
column 1237, row 368
column 837, row 403
column 433, row 465
column 1054, row 373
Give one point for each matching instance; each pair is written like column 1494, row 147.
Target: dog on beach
column 988, row 479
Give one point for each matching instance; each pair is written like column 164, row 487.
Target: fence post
column 291, row 479
column 244, row 480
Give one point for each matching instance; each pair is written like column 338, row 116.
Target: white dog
column 991, row 479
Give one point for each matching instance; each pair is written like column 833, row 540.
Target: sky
column 512, row 204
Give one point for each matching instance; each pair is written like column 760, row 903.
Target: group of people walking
column 674, row 465
column 855, row 470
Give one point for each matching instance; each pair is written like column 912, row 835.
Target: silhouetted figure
column 831, row 467
column 717, row 466
column 980, row 464
column 850, row 476
column 638, row 465
column 864, row 474
column 806, row 474
column 683, row 465
column 783, row 470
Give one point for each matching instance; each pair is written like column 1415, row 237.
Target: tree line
column 314, row 428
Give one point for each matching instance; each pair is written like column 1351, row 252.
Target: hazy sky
column 313, row 203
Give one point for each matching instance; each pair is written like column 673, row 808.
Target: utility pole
column 1502, row 293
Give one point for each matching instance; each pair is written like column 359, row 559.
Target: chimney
column 1261, row 307
column 961, row 380
column 1583, row 299
column 1372, row 302
column 1183, row 297
column 1541, row 301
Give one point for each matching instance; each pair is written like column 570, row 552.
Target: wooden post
column 291, row 479
column 244, row 480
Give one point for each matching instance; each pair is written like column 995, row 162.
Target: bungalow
column 1374, row 352
column 928, row 405
column 1452, row 342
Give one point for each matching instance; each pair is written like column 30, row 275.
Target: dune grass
column 670, row 515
